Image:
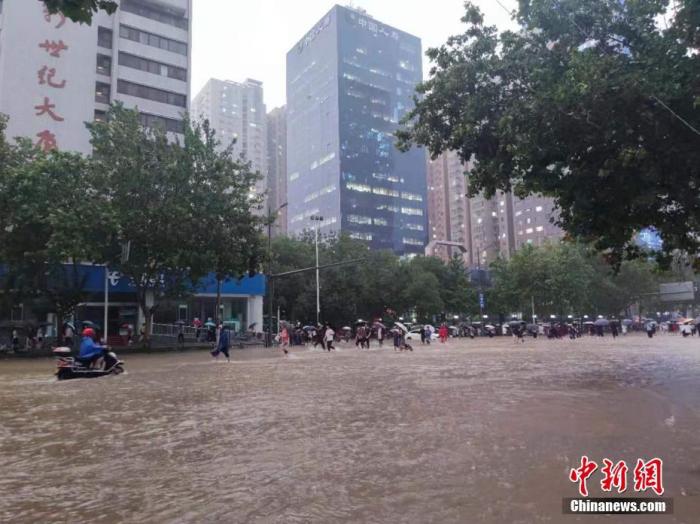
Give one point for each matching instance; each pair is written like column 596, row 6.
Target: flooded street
column 474, row 431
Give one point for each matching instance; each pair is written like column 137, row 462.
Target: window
column 136, row 35
column 102, row 92
column 168, row 124
column 104, row 65
column 412, row 196
column 358, row 187
column 151, row 66
column 538, row 209
column 361, row 236
column 415, row 227
column 155, row 12
column 412, row 211
column 381, row 222
column 539, row 229
column 412, row 242
column 100, row 116
column 356, row 219
column 386, row 192
column 104, row 37
column 151, row 93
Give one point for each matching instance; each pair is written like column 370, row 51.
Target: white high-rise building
column 237, row 112
column 55, row 75
column 277, row 166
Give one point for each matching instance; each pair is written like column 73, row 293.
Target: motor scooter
column 69, row 367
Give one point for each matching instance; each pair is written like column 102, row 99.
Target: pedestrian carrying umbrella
column 602, row 322
column 401, row 326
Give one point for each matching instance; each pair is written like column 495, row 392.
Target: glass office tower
column 350, row 80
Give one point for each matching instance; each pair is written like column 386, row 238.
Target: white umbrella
column 401, row 326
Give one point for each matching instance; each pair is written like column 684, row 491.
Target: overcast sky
column 239, row 39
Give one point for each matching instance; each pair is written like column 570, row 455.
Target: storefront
column 241, row 302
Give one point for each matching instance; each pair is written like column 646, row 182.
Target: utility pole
column 271, row 219
column 317, row 224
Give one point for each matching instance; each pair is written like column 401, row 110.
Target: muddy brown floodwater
column 473, row 431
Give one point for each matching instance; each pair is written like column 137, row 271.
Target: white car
column 414, row 334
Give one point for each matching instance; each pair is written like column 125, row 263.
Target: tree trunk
column 218, row 301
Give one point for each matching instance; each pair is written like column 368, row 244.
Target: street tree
column 155, row 207
column 80, row 11
column 592, row 102
column 52, row 220
column 226, row 229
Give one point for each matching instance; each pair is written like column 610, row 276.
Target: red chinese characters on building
column 48, row 76
column 582, row 473
column 61, row 18
column 53, row 47
column 648, row 475
column 615, row 476
column 47, row 140
column 47, row 108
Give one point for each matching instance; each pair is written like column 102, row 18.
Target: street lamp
column 317, row 219
column 271, row 219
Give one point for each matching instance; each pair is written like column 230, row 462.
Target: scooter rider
column 90, row 351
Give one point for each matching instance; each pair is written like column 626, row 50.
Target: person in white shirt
column 329, row 337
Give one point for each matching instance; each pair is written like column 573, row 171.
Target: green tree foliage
column 376, row 284
column 568, row 279
column 590, row 102
column 183, row 209
column 51, row 219
column 226, row 231
column 80, row 11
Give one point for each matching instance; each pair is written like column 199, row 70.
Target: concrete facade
column 277, row 166
column 236, row 111
column 449, row 207
column 487, row 228
column 56, row 75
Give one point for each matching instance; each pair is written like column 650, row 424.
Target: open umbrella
column 379, row 325
column 401, row 326
column 90, row 324
column 516, row 323
column 627, row 321
column 532, row 327
column 347, row 328
column 602, row 322
column 209, row 323
column 252, row 326
column 308, row 328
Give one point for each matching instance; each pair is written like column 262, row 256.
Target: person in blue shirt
column 90, row 351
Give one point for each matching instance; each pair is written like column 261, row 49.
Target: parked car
column 414, row 334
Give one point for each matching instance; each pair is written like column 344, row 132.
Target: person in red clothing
column 443, row 333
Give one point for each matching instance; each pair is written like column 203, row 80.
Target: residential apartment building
column 449, row 210
column 350, row 80
column 487, row 228
column 56, row 75
column 236, row 111
column 277, row 166
column 532, row 221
